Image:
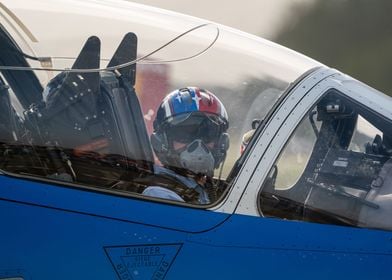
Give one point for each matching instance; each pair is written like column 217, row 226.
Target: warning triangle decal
column 142, row 262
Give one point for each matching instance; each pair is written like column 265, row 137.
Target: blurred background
column 353, row 36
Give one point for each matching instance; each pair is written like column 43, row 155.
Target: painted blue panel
column 111, row 206
column 55, row 244
column 47, row 243
column 270, row 233
column 256, row 248
column 258, row 263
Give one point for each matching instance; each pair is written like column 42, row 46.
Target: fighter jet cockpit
column 335, row 168
column 139, row 143
column 156, row 105
column 141, row 106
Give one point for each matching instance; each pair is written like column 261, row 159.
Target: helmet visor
column 185, row 128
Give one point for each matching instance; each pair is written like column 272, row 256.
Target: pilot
column 190, row 140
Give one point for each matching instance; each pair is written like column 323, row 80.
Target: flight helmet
column 190, row 131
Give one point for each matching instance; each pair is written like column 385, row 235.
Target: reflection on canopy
column 141, row 60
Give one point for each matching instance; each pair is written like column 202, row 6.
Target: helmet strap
column 221, row 149
column 221, row 167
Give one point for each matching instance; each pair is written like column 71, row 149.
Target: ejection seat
column 91, row 115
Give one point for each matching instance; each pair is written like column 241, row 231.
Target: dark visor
column 187, row 127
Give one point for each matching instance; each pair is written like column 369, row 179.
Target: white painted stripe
column 167, row 109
